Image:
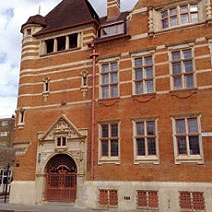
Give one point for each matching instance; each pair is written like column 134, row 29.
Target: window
column 179, row 15
column 109, row 80
column 108, row 198
column 111, row 30
column 109, row 141
column 145, row 140
column 187, row 138
column 49, row 46
column 21, row 117
column 61, row 141
column 62, row 43
column 182, row 69
column 192, row 201
column 46, row 85
column 4, row 123
column 73, row 40
column 3, row 134
column 147, row 199
column 143, row 75
column 29, row 31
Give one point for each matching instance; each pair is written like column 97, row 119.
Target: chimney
column 113, row 8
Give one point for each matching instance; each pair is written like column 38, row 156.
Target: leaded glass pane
column 139, row 87
column 105, row 131
column 177, row 82
column 149, row 72
column 105, row 68
column 150, row 128
column 176, row 68
column 104, row 148
column 114, row 78
column 114, row 130
column 138, row 62
column 180, row 124
column 165, row 23
column 140, row 146
column 165, row 14
column 105, row 79
column 114, row 66
column 189, row 81
column 138, row 74
column 194, row 17
column 114, row 147
column 114, row 91
column 187, row 54
column 140, row 128
column 184, row 19
column 105, row 92
column 193, row 8
column 175, row 56
column 194, row 145
column 149, row 86
column 148, row 60
column 192, row 125
column 188, row 66
column 173, row 21
column 151, row 146
column 181, row 142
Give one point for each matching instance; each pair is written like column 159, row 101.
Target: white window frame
column 181, row 47
column 108, row 159
column 143, row 54
column 43, row 47
column 178, row 15
column 138, row 159
column 4, row 134
column 155, row 15
column 109, row 61
column 61, row 136
column 4, row 123
column 187, row 158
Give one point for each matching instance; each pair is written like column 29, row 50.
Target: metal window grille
column 108, row 198
column 147, row 199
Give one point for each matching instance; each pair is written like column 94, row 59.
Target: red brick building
column 116, row 111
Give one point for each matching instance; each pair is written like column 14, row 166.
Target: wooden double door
column 61, row 179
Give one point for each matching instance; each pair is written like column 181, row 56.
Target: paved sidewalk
column 49, row 207
column 53, row 207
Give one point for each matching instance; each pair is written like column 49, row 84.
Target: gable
column 62, row 127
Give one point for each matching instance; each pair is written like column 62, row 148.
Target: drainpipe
column 94, row 55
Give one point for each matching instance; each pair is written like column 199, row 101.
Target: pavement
column 49, row 207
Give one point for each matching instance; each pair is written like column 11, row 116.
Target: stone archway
column 61, row 179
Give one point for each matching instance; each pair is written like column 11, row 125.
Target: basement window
column 49, row 46
column 108, row 198
column 73, row 40
column 61, row 43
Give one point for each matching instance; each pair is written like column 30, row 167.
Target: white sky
column 14, row 13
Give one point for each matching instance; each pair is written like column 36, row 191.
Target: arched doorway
column 61, row 179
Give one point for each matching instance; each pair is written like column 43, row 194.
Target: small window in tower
column 21, row 116
column 29, row 31
column 73, row 40
column 46, row 84
column 61, row 43
column 49, row 46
